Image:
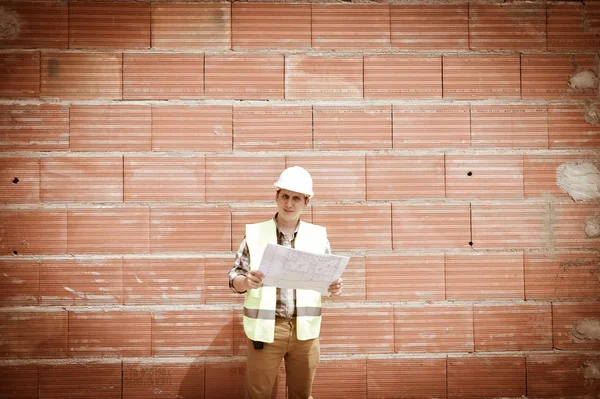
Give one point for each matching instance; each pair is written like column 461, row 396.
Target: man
column 281, row 323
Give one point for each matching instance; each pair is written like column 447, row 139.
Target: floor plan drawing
column 290, row 268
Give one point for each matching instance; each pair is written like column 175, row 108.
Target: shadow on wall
column 218, row 379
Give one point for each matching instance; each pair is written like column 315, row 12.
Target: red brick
column 516, row 327
column 163, row 179
column 247, row 214
column 33, row 231
column 190, row 229
column 400, row 277
column 356, row 226
column 484, row 276
column 565, row 275
column 68, row 179
column 434, row 328
column 352, row 128
column 108, row 230
column 20, row 180
column 431, row 126
column 40, row 24
column 245, row 77
column 562, row 375
column 323, row 78
column 110, row 334
column 547, row 76
column 340, row 379
column 191, row 26
column 87, row 380
column 430, row 26
column 110, row 127
column 431, row 226
column 42, row 127
column 19, row 282
column 335, row 178
column 571, row 221
column 350, row 26
column 540, row 173
column 85, row 282
column 19, row 381
column 568, row 129
column 507, row 26
column 192, row 333
column 163, row 281
column 166, row 380
column 225, row 380
column 514, row 225
column 357, row 330
column 192, row 128
column 355, row 287
column 216, row 287
column 486, row 377
column 271, row 26
column 275, row 128
column 31, row 334
column 482, row 77
column 110, row 25
column 20, row 74
column 82, row 76
column 403, row 77
column 484, row 176
column 568, row 331
column 571, row 26
column 410, row 378
column 242, row 178
column 399, row 176
column 150, row 76
column 509, row 126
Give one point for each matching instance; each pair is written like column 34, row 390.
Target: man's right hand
column 253, row 279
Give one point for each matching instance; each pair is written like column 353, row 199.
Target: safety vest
column 260, row 304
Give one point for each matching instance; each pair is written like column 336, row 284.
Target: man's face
column 290, row 204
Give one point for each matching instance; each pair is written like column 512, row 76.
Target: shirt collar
column 281, row 232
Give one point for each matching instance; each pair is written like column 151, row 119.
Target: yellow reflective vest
column 260, row 304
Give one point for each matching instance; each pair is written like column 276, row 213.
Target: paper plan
column 290, row 268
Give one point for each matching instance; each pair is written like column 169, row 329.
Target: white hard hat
column 296, row 179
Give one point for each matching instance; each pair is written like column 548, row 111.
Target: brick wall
column 137, row 139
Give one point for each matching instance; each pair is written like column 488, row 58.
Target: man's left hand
column 336, row 287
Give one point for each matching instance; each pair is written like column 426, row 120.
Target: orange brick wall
column 138, row 137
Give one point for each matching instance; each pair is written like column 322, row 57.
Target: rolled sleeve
column 241, row 265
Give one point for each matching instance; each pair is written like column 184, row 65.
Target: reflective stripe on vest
column 260, row 304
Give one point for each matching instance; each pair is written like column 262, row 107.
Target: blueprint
column 291, row 268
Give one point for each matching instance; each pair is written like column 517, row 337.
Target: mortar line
column 446, row 375
column 151, row 44
column 469, row 26
column 521, row 75
column 122, row 377
column 526, row 374
column 471, row 224
column 546, row 9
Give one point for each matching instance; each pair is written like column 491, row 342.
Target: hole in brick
column 469, row 173
column 15, row 180
column 471, row 243
column 15, row 252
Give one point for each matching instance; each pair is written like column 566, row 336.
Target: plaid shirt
column 286, row 297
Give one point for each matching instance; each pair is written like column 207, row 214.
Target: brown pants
column 301, row 361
